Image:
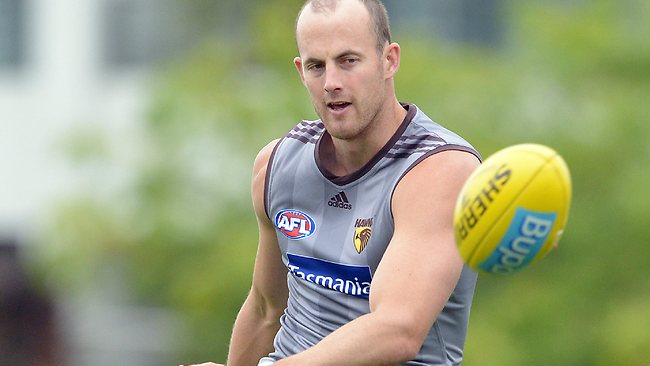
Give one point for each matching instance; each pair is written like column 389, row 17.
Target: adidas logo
column 340, row 201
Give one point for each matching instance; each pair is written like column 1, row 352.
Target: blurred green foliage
column 574, row 76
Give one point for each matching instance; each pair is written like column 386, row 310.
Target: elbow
column 402, row 332
column 406, row 342
column 408, row 347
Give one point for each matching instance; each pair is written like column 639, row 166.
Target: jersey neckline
column 349, row 178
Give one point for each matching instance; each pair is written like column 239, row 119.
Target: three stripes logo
column 340, row 201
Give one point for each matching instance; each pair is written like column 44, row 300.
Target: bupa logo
column 525, row 237
column 294, row 224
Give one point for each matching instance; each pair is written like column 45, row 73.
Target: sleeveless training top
column 333, row 231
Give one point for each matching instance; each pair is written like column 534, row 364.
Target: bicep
column 421, row 265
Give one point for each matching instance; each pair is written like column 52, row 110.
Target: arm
column 258, row 320
column 416, row 276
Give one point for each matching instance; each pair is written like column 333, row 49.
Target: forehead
column 348, row 26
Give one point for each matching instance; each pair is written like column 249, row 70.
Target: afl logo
column 294, row 224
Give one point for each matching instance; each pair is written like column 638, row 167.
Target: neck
column 348, row 156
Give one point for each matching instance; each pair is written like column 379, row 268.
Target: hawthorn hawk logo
column 362, row 234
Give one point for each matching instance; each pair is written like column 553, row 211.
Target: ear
column 391, row 59
column 298, row 62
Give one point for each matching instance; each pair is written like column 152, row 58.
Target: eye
column 314, row 67
column 349, row 61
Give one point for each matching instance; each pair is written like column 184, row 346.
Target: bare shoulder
column 259, row 177
column 451, row 166
column 263, row 156
column 449, row 162
column 434, row 182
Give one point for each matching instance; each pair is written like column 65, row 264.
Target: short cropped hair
column 376, row 9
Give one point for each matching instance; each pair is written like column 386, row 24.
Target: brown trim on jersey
column 267, row 178
column 306, row 131
column 303, row 139
column 414, row 144
column 424, row 156
column 347, row 179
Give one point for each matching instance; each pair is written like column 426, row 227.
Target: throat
column 341, row 158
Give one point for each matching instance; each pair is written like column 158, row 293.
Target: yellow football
column 513, row 209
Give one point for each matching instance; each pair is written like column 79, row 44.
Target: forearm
column 252, row 335
column 367, row 340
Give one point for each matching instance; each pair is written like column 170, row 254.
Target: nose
column 332, row 80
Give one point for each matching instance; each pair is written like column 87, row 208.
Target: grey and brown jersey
column 333, row 231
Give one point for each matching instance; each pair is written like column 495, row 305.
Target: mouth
column 338, row 106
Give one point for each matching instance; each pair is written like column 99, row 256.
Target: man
column 356, row 263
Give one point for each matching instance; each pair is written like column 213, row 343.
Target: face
column 340, row 65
